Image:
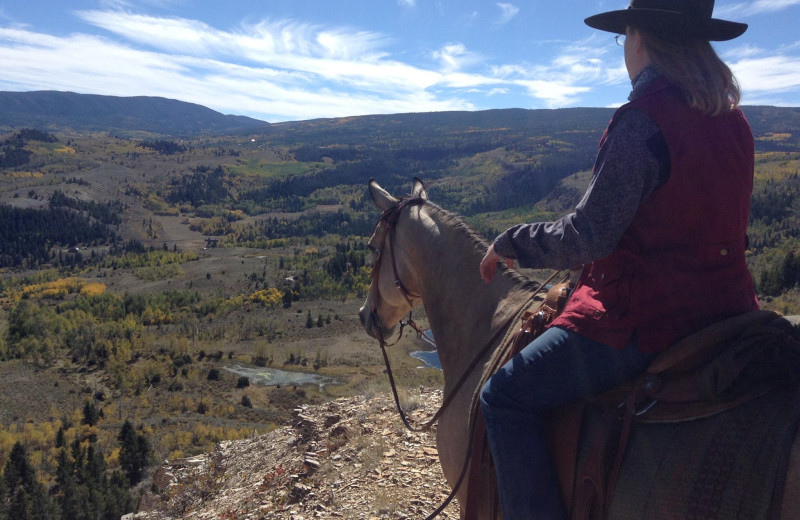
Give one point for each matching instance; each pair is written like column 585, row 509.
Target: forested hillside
column 142, row 277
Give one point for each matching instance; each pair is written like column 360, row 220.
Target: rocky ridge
column 350, row 458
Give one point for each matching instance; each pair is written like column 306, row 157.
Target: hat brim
column 666, row 24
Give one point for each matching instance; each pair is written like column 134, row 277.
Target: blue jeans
column 556, row 368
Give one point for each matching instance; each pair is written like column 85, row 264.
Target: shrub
column 182, row 360
column 213, row 375
column 243, row 382
column 246, row 402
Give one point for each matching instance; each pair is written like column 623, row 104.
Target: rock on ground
column 350, row 458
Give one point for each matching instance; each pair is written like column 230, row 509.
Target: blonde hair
column 707, row 83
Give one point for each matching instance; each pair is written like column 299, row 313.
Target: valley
column 140, row 272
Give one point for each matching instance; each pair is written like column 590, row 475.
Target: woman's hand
column 489, row 264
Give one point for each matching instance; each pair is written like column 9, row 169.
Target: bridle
column 390, row 218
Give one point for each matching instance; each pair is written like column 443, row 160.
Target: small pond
column 274, row 377
column 429, row 357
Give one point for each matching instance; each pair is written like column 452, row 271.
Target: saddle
column 749, row 366
column 734, row 363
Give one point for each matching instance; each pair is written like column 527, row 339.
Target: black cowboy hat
column 669, row 19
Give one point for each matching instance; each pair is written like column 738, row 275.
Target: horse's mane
column 457, row 222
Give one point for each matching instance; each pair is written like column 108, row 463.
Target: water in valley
column 275, row 377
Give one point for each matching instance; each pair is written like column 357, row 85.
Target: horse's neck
column 465, row 313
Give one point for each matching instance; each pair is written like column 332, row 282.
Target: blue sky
column 282, row 60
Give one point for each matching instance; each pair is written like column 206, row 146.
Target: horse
column 425, row 255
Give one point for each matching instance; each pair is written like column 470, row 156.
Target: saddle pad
column 728, row 466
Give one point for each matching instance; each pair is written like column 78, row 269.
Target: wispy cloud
column 580, row 68
column 114, row 5
column 262, row 41
column 468, row 19
column 765, row 76
column 753, row 8
column 507, row 12
column 407, row 3
column 455, row 56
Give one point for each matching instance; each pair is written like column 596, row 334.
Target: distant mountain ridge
column 55, row 110
column 89, row 112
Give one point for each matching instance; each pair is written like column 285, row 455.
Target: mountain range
column 50, row 110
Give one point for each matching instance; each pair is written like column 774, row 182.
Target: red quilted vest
column 680, row 265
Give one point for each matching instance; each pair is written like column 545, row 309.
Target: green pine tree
column 309, row 321
column 90, row 414
column 134, row 453
column 22, row 496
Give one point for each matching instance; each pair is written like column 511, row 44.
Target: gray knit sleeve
column 631, row 163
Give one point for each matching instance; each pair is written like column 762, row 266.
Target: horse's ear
column 380, row 197
column 418, row 191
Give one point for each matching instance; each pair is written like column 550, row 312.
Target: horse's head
column 394, row 290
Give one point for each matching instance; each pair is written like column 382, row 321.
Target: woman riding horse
column 660, row 234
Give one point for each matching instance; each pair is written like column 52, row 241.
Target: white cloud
column 753, row 8
column 497, row 92
column 468, row 19
column 407, row 3
column 579, row 69
column 765, row 73
column 331, row 54
column 768, row 75
column 114, row 4
column 507, row 12
column 267, row 41
column 741, row 52
column 454, row 57
column 553, row 93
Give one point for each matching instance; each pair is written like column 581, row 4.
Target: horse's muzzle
column 372, row 324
